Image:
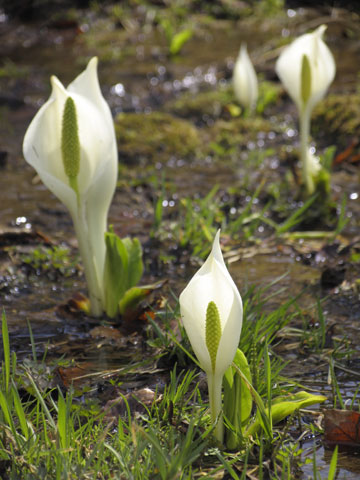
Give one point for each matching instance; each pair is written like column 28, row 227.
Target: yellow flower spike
column 212, row 332
column 305, row 79
column 70, row 144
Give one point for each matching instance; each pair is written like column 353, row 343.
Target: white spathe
column 212, row 282
column 306, row 68
column 98, row 166
column 245, row 81
column 322, row 67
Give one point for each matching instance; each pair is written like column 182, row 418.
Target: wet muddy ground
column 209, row 148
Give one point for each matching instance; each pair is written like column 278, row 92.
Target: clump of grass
column 194, row 222
column 55, row 260
column 58, row 433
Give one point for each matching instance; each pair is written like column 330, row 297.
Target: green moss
column 202, row 105
column 155, row 136
column 219, row 103
column 226, row 135
column 337, row 115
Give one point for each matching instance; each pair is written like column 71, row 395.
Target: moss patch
column 212, row 105
column 228, row 135
column 337, row 116
column 202, row 106
column 155, row 136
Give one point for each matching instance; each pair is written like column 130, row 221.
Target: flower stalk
column 215, row 403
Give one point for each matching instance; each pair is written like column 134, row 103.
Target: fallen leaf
column 105, row 332
column 342, row 427
column 74, row 375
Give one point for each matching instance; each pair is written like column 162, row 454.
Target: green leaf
column 283, row 406
column 305, row 79
column 5, row 407
column 237, row 400
column 135, row 295
column 21, row 413
column 6, row 349
column 123, row 270
column 333, row 464
column 135, row 262
column 115, row 273
column 62, row 422
column 261, row 411
column 322, row 183
column 212, row 332
column 245, row 394
column 179, row 40
column 267, row 366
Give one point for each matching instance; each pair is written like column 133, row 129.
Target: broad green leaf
column 262, row 414
column 115, row 273
column 237, row 399
column 123, row 270
column 135, row 262
column 135, row 295
column 283, row 406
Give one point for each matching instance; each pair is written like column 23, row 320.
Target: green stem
column 215, row 388
column 305, row 116
column 88, row 259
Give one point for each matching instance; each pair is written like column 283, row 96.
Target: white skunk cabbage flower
column 211, row 311
column 245, row 81
column 71, row 144
column 306, row 68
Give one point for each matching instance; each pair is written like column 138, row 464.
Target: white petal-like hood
column 98, row 151
column 244, row 80
column 42, row 142
column 212, row 282
column 97, row 175
column 322, row 67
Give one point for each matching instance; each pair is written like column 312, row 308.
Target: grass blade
column 6, row 345
column 333, row 464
